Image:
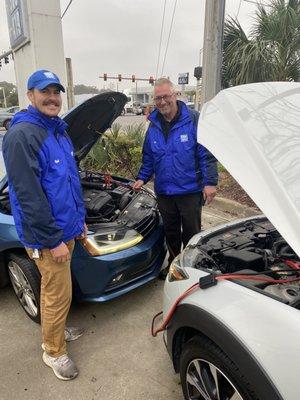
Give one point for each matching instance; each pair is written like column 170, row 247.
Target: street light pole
column 4, row 98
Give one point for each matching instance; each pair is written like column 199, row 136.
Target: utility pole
column 4, row 98
column 70, row 85
column 212, row 49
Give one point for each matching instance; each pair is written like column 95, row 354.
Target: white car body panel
column 254, row 131
column 270, row 330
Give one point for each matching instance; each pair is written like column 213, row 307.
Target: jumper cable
column 212, row 280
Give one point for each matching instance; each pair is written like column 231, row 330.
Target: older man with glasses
column 185, row 173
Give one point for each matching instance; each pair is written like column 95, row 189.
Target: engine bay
column 110, row 201
column 255, row 248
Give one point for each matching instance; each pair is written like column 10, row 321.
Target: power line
column 160, row 40
column 70, row 2
column 238, row 11
column 257, row 3
column 163, row 66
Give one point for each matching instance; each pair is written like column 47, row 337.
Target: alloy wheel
column 207, row 382
column 22, row 289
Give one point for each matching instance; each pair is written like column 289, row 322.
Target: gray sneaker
column 63, row 367
column 73, row 333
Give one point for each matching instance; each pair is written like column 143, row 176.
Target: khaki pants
column 56, row 296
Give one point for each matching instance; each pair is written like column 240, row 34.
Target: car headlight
column 111, row 241
column 189, row 256
column 186, row 259
column 177, row 271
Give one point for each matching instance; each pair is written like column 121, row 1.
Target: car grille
column 147, row 225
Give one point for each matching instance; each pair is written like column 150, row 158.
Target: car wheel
column 6, row 124
column 25, row 279
column 208, row 374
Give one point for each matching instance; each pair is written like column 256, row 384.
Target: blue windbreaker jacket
column 44, row 185
column 180, row 164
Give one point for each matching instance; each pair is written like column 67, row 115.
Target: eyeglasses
column 166, row 97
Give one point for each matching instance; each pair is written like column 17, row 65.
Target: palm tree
column 271, row 51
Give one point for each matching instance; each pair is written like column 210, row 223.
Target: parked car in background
column 137, row 108
column 191, row 105
column 236, row 334
column 6, row 115
column 125, row 247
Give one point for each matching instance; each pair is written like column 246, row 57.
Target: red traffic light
column 133, row 78
column 105, row 77
column 119, row 77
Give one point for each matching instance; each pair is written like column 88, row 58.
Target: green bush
column 118, row 152
column 221, row 168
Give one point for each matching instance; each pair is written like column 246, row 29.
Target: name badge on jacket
column 184, row 138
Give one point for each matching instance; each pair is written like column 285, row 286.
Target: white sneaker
column 63, row 367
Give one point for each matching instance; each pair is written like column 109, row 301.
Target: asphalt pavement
column 117, row 356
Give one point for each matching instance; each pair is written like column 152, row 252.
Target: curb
column 227, row 206
column 233, row 207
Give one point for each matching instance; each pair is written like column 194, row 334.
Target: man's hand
column 60, row 253
column 83, row 235
column 137, row 184
column 209, row 193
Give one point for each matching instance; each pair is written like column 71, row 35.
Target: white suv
column 235, row 334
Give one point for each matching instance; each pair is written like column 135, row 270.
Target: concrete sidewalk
column 117, row 356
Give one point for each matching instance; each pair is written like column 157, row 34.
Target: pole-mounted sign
column 17, row 22
column 183, row 78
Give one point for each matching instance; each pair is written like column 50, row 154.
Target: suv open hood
column 90, row 119
column 254, row 131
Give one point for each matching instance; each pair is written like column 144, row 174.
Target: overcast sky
column 122, row 36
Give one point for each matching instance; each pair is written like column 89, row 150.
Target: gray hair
column 163, row 81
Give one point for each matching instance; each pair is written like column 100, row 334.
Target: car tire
column 26, row 281
column 205, row 369
column 6, row 124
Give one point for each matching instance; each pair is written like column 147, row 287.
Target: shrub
column 119, row 151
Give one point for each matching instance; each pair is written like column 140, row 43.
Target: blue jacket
column 44, row 185
column 179, row 163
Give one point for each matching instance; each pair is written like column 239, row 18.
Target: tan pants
column 56, row 296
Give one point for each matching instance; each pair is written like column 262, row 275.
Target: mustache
column 51, row 102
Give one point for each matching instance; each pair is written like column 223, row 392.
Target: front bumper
column 103, row 278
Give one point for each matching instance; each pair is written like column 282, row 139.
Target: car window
column 2, row 167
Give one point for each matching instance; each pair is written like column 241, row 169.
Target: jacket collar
column 183, row 117
column 34, row 116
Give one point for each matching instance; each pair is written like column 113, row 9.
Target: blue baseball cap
column 42, row 78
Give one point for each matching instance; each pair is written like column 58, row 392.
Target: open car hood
column 87, row 121
column 254, row 131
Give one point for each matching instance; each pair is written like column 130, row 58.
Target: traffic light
column 198, row 72
column 6, row 60
column 105, row 77
column 151, row 80
column 133, row 78
column 119, row 77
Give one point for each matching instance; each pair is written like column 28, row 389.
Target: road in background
column 130, row 119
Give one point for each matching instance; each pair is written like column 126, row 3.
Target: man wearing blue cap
column 48, row 209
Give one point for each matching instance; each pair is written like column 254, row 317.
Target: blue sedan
column 125, row 247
